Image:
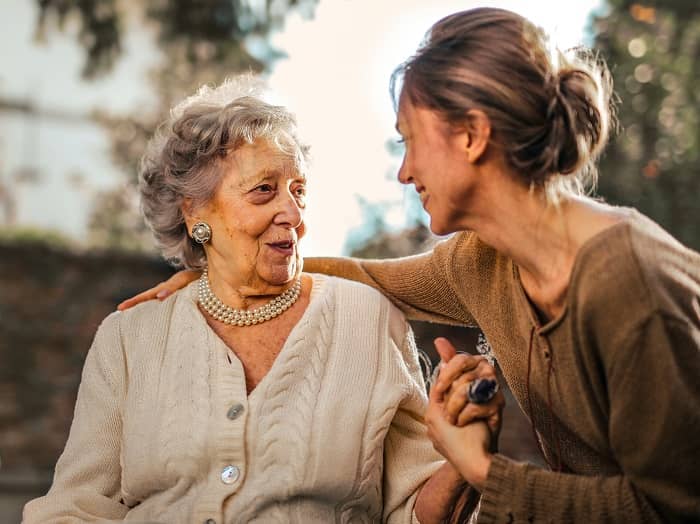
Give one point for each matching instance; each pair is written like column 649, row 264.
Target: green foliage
column 202, row 42
column 115, row 222
column 98, row 29
column 653, row 164
column 28, row 236
column 384, row 244
column 204, row 30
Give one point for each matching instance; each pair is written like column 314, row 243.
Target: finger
column 445, row 349
column 483, row 370
column 455, row 403
column 457, row 396
column 486, row 411
column 149, row 294
column 180, row 280
column 457, row 400
column 435, row 397
column 472, row 412
column 434, row 418
column 457, row 366
column 494, row 423
column 162, row 290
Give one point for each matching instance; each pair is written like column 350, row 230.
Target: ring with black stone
column 482, row 390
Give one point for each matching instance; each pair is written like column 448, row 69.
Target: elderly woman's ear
column 186, row 208
column 189, row 214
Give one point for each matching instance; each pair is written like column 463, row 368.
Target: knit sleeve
column 421, row 286
column 409, row 457
column 654, row 426
column 86, row 484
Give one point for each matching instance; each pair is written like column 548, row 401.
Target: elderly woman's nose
column 290, row 212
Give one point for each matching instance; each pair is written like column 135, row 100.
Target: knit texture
column 333, row 432
column 614, row 380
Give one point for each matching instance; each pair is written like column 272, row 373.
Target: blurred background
column 83, row 83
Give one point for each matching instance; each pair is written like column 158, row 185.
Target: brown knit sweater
column 614, row 381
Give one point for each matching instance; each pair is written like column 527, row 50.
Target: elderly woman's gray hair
column 186, row 158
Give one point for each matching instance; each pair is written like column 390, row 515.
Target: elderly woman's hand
column 162, row 290
column 468, row 447
column 452, row 387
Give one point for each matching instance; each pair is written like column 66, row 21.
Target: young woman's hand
column 162, row 290
column 466, row 448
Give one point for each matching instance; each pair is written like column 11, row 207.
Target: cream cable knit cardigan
column 333, row 433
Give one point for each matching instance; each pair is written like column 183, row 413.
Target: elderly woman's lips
column 285, row 248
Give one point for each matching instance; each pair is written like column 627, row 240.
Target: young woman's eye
column 401, row 140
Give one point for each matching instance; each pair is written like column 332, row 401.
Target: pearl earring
column 201, row 232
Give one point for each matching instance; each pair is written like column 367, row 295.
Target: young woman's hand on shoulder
column 163, row 290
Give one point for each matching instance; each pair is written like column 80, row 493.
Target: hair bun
column 577, row 123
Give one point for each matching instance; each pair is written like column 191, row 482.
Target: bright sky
column 337, row 81
column 335, row 78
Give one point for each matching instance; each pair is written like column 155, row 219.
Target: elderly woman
column 259, row 393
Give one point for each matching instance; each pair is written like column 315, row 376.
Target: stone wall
column 51, row 303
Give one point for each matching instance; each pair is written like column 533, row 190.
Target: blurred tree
column 653, row 49
column 201, row 42
column 386, row 244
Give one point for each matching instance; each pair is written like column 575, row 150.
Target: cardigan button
column 234, row 411
column 230, row 474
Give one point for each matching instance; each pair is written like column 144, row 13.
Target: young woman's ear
column 479, row 135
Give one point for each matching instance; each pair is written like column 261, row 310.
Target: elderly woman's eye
column 264, row 188
column 300, row 191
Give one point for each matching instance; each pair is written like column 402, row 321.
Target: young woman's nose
column 404, row 174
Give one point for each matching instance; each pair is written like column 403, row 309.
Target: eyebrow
column 267, row 174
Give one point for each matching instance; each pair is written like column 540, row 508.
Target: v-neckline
column 588, row 245
column 222, row 350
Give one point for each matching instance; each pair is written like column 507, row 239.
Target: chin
column 440, row 229
column 444, row 227
column 282, row 275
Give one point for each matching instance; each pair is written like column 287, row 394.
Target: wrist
column 453, row 475
column 476, row 470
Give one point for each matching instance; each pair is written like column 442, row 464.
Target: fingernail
column 162, row 294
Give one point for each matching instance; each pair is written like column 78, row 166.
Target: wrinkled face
column 257, row 217
column 435, row 162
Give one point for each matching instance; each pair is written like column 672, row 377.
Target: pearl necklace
column 241, row 317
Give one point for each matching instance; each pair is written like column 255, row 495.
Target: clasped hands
column 463, row 432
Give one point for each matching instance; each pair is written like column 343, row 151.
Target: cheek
column 242, row 226
column 301, row 230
